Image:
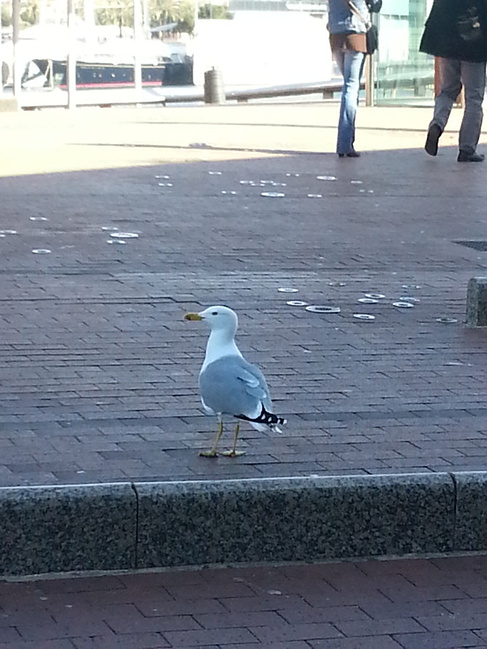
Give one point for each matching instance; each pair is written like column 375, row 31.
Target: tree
column 219, row 12
column 29, row 13
column 115, row 13
column 6, row 14
column 120, row 12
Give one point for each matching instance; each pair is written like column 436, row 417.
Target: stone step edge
column 146, row 525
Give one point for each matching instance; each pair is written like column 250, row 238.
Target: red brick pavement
column 436, row 603
column 98, row 371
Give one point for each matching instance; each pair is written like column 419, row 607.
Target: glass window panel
column 403, row 74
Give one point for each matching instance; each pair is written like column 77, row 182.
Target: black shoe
column 350, row 154
column 434, row 134
column 463, row 156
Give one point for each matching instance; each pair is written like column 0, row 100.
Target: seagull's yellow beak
column 193, row 316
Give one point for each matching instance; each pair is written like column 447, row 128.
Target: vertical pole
column 137, row 44
column 1, row 51
column 196, row 12
column 369, row 80
column 146, row 18
column 89, row 18
column 17, row 72
column 71, row 60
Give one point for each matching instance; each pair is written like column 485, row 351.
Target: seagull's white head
column 218, row 318
column 223, row 324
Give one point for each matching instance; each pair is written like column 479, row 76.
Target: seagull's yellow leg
column 212, row 452
column 233, row 451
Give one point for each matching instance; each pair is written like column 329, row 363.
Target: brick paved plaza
column 98, row 370
column 404, row 604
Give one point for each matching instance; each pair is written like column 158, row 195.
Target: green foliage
column 120, row 12
column 218, row 12
column 6, row 14
column 161, row 12
column 29, row 13
column 185, row 18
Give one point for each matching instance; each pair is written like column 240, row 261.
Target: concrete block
column 477, row 302
column 8, row 104
column 61, row 529
column 471, row 511
column 295, row 519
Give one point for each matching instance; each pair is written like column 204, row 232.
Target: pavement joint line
column 219, row 566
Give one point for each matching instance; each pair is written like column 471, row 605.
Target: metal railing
column 173, row 95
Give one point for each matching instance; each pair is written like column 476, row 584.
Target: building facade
column 294, row 32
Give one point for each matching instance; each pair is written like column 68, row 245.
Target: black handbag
column 468, row 25
column 372, row 33
column 372, row 38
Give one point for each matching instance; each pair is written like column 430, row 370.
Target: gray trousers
column 454, row 74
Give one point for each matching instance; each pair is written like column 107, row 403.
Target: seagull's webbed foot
column 212, row 452
column 233, row 453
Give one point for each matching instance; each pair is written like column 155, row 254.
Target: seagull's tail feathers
column 267, row 418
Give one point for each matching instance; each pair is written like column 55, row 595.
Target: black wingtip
column 267, row 418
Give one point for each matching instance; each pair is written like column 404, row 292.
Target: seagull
column 230, row 385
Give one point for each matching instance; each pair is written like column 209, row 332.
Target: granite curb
column 124, row 526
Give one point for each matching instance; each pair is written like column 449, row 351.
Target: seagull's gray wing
column 233, row 386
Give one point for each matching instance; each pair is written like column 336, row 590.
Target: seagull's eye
column 214, row 313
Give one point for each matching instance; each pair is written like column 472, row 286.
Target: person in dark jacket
column 456, row 31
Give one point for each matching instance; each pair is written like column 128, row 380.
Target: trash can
column 214, row 90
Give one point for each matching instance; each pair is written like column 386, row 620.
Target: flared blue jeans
column 351, row 65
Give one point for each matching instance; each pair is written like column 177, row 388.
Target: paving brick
column 384, row 610
column 204, row 591
column 154, row 607
column 289, row 644
column 440, row 640
column 482, row 633
column 130, row 620
column 466, row 606
column 332, row 614
column 266, row 602
column 127, row 641
column 36, row 644
column 408, row 594
column 55, row 630
column 386, row 626
column 453, row 622
column 376, row 642
column 10, row 634
column 288, row 632
column 203, row 637
column 248, row 619
column 82, row 585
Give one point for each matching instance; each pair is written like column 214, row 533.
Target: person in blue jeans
column 348, row 47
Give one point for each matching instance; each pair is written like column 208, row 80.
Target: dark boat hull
column 107, row 75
